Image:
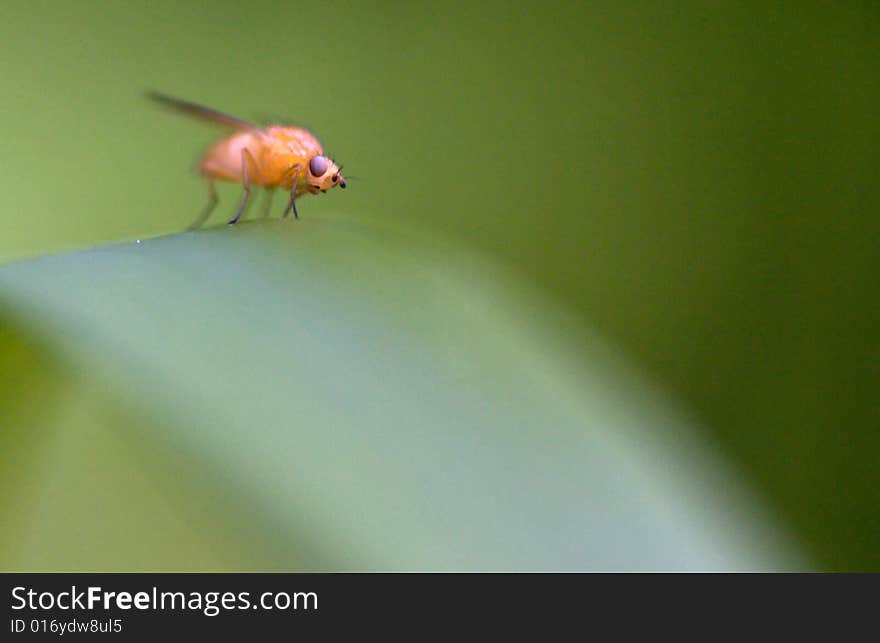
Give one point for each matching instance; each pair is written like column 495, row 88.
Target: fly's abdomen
column 223, row 159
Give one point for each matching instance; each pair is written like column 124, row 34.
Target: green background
column 699, row 183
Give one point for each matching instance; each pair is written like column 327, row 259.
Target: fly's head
column 323, row 174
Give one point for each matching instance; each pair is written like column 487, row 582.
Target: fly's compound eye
column 318, row 166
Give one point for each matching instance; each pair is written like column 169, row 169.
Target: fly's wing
column 204, row 113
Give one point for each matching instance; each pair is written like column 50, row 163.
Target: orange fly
column 273, row 157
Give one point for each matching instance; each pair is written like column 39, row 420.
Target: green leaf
column 336, row 396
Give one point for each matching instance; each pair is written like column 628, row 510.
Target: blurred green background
column 698, row 182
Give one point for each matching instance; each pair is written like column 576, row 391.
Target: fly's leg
column 208, row 209
column 245, row 181
column 292, row 204
column 267, row 203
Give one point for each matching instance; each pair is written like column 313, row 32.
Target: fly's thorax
column 298, row 140
column 277, row 164
column 286, row 155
